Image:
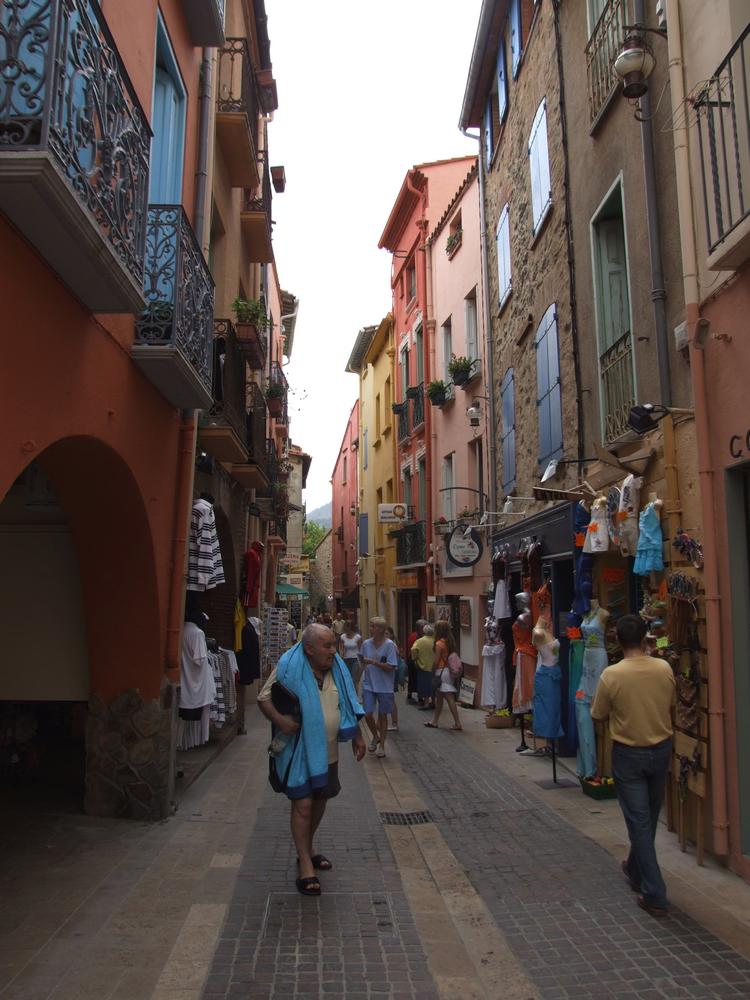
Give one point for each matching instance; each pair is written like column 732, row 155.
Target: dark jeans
column 640, row 775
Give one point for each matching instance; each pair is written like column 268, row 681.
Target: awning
column 291, row 591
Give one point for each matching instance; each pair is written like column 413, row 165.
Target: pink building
column 460, row 447
column 344, row 517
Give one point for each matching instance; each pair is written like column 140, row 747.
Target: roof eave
column 492, row 14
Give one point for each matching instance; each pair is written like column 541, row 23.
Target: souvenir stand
column 275, row 637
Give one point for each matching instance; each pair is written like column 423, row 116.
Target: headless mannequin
column 494, row 692
column 595, row 660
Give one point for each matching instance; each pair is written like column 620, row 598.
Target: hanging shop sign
column 463, row 549
column 388, row 513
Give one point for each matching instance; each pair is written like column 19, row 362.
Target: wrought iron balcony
column 222, row 429
column 205, row 20
column 238, row 113
column 252, row 472
column 723, row 110
column 174, row 333
column 255, row 219
column 277, row 529
column 618, row 389
column 601, row 52
column 272, row 460
column 74, row 149
column 417, row 407
column 403, row 420
column 411, row 545
column 276, row 397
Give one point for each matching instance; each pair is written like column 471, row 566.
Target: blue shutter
column 168, row 126
column 364, row 547
column 488, row 144
column 503, row 254
column 541, row 185
column 515, row 36
column 549, row 397
column 502, row 82
column 508, row 435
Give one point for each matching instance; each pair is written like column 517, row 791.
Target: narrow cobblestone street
column 509, row 890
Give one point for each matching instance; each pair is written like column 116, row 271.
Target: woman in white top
column 349, row 642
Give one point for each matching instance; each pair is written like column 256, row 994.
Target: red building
column 344, row 517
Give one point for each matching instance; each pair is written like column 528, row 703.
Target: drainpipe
column 182, row 513
column 658, row 292
column 695, row 323
column 488, row 346
column 201, row 176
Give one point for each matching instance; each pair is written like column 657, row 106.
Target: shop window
column 549, row 397
column 503, row 256
column 541, row 184
column 168, row 125
column 508, row 429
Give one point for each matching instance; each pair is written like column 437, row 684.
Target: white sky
column 366, row 90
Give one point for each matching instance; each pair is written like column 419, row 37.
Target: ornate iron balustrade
column 256, row 421
column 417, row 407
column 618, row 389
column 278, row 528
column 411, row 545
column 277, row 377
column 228, row 378
column 272, row 460
column 601, row 51
column 237, row 91
column 723, row 111
column 64, row 92
column 179, row 293
column 403, row 421
column 261, row 199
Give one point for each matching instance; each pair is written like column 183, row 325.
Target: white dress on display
column 630, row 493
column 501, row 607
column 597, row 535
column 494, row 684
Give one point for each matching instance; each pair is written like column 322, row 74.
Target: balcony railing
column 74, row 149
column 723, row 112
column 411, row 545
column 222, row 429
column 417, row 408
column 278, row 405
column 618, row 390
column 256, row 425
column 174, row 333
column 601, row 51
column 238, row 112
column 278, row 528
column 403, row 421
column 255, row 219
column 272, row 460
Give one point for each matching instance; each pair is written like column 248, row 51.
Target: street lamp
column 646, row 416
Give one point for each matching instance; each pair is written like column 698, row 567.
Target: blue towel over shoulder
column 309, row 768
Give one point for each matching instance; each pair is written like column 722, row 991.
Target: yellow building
column 372, row 359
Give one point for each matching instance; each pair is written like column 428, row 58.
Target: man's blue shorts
column 380, row 701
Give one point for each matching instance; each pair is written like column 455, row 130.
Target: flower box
column 598, row 791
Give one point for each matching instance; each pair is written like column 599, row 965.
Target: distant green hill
column 321, row 515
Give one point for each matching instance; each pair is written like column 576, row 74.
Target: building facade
column 345, row 498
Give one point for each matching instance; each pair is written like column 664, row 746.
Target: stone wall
column 539, row 265
column 130, row 755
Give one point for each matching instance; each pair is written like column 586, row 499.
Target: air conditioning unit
column 390, row 513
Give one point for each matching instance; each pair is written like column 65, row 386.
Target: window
column 168, row 124
column 364, row 548
column 595, row 10
column 422, row 489
column 364, row 449
column 387, row 399
column 548, row 396
column 502, row 82
column 411, row 283
column 470, row 317
column 516, row 39
column 612, row 297
column 508, row 429
column 407, row 487
column 504, row 280
column 447, row 334
column 404, row 371
column 476, row 452
column 377, row 416
column 488, row 137
column 449, row 512
column 378, row 524
column 418, row 350
column 541, row 186
column 343, row 476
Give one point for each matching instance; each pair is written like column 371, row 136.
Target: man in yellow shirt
column 637, row 696
column 423, row 655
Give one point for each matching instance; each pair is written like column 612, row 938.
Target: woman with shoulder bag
column 448, row 670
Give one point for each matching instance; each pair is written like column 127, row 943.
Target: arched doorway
column 87, row 616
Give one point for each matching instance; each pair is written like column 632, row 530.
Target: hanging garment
column 649, row 556
column 229, row 675
column 501, row 607
column 547, row 700
column 193, row 732
column 205, row 569
column 594, row 654
column 535, row 566
column 597, row 536
column 630, row 492
column 525, row 663
column 197, row 685
column 584, row 563
column 494, row 684
column 586, row 754
column 575, row 665
column 248, row 657
column 218, row 713
column 251, row 575
column 240, row 620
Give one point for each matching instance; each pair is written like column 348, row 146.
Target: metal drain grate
column 406, row 819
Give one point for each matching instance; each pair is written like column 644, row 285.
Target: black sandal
column 307, row 886
column 321, row 863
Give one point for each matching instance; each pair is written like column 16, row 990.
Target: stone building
column 321, row 575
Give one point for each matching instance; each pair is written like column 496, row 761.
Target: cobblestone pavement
column 558, row 897
column 357, row 940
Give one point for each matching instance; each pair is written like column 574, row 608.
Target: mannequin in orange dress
column 524, row 656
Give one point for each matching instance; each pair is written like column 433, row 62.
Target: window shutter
column 549, row 398
column 508, row 433
column 488, row 133
column 541, row 189
column 613, row 282
column 502, row 81
column 515, row 36
column 503, row 254
column 364, row 546
column 470, row 317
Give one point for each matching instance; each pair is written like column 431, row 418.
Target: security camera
column 474, row 413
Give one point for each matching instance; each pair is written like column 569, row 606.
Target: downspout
column 716, row 711
column 658, row 292
column 182, row 513
column 201, row 176
column 569, row 242
column 488, row 346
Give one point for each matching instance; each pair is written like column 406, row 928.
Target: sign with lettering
column 464, row 546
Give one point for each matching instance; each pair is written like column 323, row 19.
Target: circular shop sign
column 463, row 549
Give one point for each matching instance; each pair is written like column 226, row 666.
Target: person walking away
column 339, row 625
column 423, row 655
column 416, row 634
column 380, row 659
column 637, row 696
column 399, row 678
column 445, row 650
column 330, row 713
column 348, row 648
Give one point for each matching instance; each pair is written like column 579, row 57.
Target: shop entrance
column 409, row 610
column 738, row 530
column 44, row 673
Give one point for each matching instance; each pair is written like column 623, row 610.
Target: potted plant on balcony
column 459, row 369
column 275, row 399
column 437, row 391
column 442, row 526
column 250, row 311
column 251, row 325
column 398, row 407
column 414, row 391
column 453, row 242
